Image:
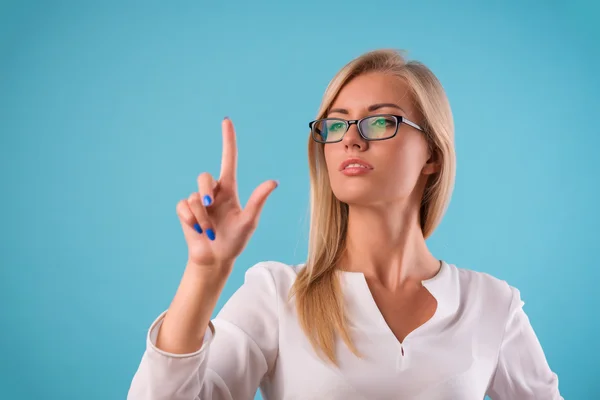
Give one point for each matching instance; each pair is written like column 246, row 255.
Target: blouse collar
column 444, row 287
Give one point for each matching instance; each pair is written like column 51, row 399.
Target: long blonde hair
column 319, row 299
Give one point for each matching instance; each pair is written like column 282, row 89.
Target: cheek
column 402, row 166
column 405, row 161
column 406, row 158
column 331, row 159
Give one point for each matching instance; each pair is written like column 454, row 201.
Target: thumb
column 257, row 200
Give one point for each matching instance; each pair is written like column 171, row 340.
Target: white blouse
column 479, row 342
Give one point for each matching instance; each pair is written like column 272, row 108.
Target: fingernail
column 211, row 234
column 225, row 117
column 197, row 228
column 276, row 184
column 206, row 200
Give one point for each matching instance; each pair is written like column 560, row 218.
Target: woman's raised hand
column 215, row 226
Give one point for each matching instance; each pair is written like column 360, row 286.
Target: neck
column 386, row 244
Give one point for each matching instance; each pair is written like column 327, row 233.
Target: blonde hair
column 319, row 299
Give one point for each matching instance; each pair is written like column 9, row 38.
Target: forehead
column 372, row 88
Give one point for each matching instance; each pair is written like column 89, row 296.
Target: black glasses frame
column 399, row 120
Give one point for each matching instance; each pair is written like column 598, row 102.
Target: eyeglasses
column 373, row 127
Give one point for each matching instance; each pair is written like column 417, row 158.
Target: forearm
column 188, row 316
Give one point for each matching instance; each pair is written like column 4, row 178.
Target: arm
column 177, row 364
column 522, row 371
column 233, row 358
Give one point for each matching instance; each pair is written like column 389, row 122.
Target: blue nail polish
column 211, row 234
column 206, row 200
column 197, row 228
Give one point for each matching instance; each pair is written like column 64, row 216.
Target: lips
column 355, row 163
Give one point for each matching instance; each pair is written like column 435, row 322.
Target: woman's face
column 395, row 166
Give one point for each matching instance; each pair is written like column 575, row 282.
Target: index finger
column 229, row 157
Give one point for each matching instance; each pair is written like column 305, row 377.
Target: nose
column 353, row 140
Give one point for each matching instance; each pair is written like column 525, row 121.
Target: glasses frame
column 349, row 122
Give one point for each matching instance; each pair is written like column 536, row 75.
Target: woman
column 372, row 314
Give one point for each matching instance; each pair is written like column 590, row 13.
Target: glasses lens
column 329, row 130
column 379, row 126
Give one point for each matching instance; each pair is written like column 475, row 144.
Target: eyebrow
column 371, row 108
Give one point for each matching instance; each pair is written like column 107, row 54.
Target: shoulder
column 266, row 284
column 279, row 275
column 485, row 292
column 471, row 279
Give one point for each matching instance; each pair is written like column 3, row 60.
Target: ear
column 434, row 163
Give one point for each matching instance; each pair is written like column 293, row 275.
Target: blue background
column 109, row 111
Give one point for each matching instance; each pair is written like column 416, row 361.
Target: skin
column 210, row 257
column 385, row 241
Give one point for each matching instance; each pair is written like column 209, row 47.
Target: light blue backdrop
column 108, row 111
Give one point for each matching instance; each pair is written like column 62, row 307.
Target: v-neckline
column 370, row 306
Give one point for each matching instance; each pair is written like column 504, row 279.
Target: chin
column 355, row 194
column 365, row 194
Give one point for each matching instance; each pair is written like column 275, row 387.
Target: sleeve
column 239, row 350
column 522, row 371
